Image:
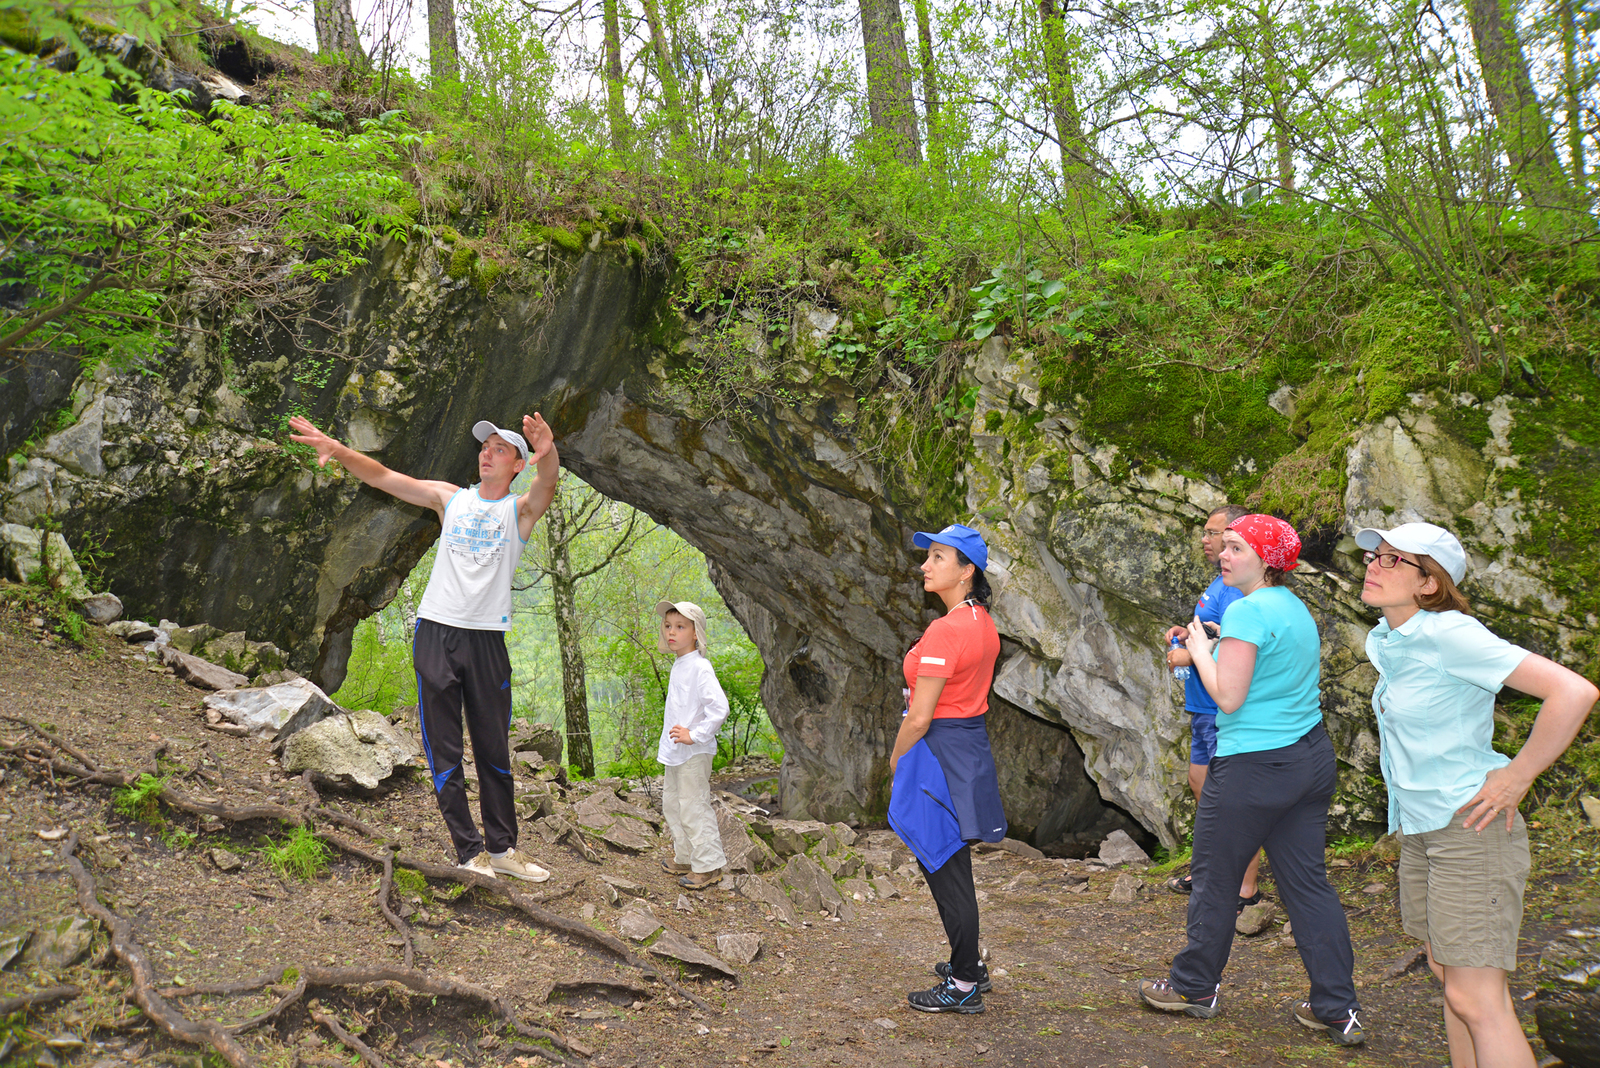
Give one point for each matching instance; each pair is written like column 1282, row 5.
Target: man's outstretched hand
column 538, row 434
column 306, row 434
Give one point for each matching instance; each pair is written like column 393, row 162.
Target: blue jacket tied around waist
column 946, row 792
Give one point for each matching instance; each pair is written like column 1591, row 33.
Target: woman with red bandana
column 1269, row 785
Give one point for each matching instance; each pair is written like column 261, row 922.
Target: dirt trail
column 831, row 992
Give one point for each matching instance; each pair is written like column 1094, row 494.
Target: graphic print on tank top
column 477, row 535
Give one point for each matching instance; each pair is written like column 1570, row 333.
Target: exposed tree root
column 401, row 927
column 144, row 993
column 38, row 997
column 350, row 1042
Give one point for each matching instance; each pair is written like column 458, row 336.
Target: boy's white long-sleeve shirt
column 694, row 700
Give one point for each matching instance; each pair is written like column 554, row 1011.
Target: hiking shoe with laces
column 946, row 998
column 674, row 868
column 480, row 864
column 1346, row 1032
column 701, row 880
column 517, row 865
column 942, row 970
column 1158, row 994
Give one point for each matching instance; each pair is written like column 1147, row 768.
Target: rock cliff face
column 185, row 477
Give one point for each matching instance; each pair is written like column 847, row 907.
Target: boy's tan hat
column 690, row 611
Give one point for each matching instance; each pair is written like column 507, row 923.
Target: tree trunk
column 666, row 74
column 616, row 106
column 1058, row 72
column 442, row 46
column 1572, row 90
column 1534, row 165
column 564, row 601
column 930, row 80
column 336, row 31
column 1278, row 93
column 893, row 114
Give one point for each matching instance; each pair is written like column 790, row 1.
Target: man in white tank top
column 463, row 670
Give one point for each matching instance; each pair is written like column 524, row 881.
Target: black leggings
column 957, row 899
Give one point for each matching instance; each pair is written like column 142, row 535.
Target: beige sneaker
column 518, row 866
column 701, row 880
column 479, row 864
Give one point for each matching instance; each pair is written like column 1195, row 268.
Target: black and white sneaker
column 1346, row 1031
column 946, row 998
column 942, row 970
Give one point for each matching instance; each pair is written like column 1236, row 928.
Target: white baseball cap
column 483, row 430
column 690, row 611
column 1424, row 539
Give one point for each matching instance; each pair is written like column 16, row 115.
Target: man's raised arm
column 424, row 492
column 547, row 471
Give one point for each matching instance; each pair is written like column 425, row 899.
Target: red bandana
column 1273, row 540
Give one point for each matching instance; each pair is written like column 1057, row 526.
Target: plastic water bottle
column 1183, row 673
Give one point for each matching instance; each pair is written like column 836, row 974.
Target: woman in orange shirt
column 948, row 674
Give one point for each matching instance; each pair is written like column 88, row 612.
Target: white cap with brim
column 1424, row 539
column 483, row 430
column 690, row 611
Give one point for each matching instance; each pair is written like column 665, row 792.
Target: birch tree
column 889, row 103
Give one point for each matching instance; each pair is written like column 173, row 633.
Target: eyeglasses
column 1389, row 561
column 1206, row 532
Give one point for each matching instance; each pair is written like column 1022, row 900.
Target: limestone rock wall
column 183, row 474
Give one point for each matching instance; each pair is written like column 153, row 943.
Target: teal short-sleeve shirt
column 1285, row 696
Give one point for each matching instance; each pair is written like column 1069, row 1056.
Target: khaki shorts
column 1461, row 892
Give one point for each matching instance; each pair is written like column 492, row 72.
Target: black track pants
column 957, row 899
column 467, row 670
column 1277, row 798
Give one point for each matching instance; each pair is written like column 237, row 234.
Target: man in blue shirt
column 1196, row 701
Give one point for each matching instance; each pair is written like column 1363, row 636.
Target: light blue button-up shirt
column 1438, row 673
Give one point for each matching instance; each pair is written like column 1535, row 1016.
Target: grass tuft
column 302, row 855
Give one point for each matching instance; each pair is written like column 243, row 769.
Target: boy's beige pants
column 686, row 803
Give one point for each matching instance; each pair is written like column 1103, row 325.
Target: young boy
column 696, row 707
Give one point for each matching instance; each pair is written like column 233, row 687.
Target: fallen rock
column 1125, row 891
column 132, row 630
column 746, row 852
column 884, row 887
column 684, row 904
column 273, row 712
column 739, row 948
column 624, row 886
column 789, row 837
column 757, row 889
column 61, row 943
column 1253, row 919
column 20, row 554
column 638, row 921
column 1011, row 845
column 1022, row 880
column 224, row 860
column 200, row 673
column 1118, row 848
column 357, row 747
column 539, row 738
column 812, row 887
column 11, row 948
column 675, row 946
column 101, row 608
column 1591, row 809
column 843, row 866
column 857, row 890
column 629, row 835
column 190, row 639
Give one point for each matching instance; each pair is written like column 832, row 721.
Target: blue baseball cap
column 960, row 537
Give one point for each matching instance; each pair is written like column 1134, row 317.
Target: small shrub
column 179, row 838
column 409, row 884
column 302, row 855
column 141, row 800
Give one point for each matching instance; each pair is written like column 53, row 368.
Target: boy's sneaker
column 1346, row 1032
column 701, row 880
column 942, row 970
column 674, row 868
column 480, row 864
column 1158, row 994
column 946, row 998
column 518, row 866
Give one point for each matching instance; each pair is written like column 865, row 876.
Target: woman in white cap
column 1464, row 848
column 946, row 793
